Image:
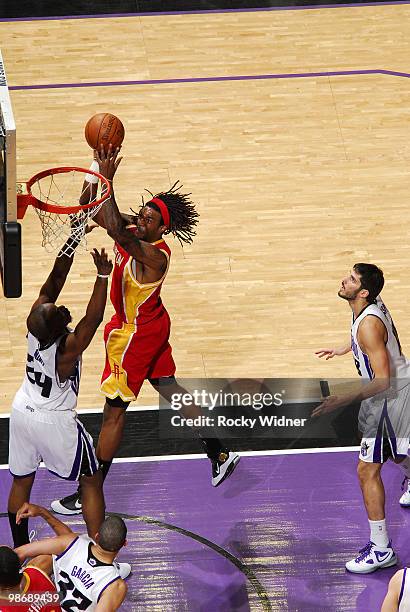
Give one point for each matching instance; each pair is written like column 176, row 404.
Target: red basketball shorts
column 135, row 353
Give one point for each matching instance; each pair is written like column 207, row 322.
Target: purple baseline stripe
column 212, row 11
column 255, row 77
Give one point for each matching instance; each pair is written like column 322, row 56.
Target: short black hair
column 371, row 278
column 10, row 567
column 112, row 534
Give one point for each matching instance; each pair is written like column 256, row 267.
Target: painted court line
column 98, row 410
column 264, row 453
column 211, row 11
column 254, row 77
column 138, row 408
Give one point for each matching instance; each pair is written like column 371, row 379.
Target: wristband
column 91, row 178
column 103, row 275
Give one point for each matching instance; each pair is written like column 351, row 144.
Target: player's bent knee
column 164, row 381
column 94, row 480
column 116, row 402
column 366, row 470
column 113, row 414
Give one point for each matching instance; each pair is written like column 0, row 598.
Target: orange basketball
column 104, row 129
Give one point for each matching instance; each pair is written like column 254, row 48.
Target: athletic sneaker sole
column 226, row 470
column 58, row 508
column 390, row 563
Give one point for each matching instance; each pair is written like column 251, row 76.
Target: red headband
column 163, row 208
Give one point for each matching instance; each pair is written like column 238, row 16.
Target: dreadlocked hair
column 182, row 214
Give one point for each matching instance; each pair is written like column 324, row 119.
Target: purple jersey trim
column 67, row 549
column 107, row 585
column 92, row 459
column 368, row 366
column 402, row 585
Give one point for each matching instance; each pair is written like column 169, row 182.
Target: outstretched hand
column 90, row 227
column 328, row 352
column 330, row 404
column 26, row 511
column 108, row 162
column 102, row 263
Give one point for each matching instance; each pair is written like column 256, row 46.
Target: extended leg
column 92, row 498
column 19, row 494
column 223, row 460
column 378, row 552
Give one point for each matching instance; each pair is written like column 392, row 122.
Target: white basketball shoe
column 372, row 558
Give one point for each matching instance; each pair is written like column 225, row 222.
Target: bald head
column 47, row 321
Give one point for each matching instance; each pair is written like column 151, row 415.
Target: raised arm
column 51, row 289
column 142, row 251
column 84, row 332
column 49, row 546
column 31, row 510
column 89, row 194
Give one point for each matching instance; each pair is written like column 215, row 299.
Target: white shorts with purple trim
column 57, row 438
column 385, row 426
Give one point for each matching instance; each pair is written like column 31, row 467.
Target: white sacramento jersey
column 404, row 599
column 81, row 578
column 41, row 388
column 399, row 365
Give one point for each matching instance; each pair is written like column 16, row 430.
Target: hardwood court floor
column 296, row 179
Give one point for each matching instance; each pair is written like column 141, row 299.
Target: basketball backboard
column 10, row 230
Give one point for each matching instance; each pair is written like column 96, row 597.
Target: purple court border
column 255, row 77
column 200, row 12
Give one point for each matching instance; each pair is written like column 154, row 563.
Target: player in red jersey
column 137, row 337
column 32, row 589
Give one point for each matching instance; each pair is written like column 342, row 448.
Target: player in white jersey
column 43, row 422
column 384, row 419
column 398, row 595
column 86, row 574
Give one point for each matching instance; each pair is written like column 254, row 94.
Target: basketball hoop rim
column 29, row 199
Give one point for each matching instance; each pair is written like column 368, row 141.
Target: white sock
column 378, row 533
column 405, row 466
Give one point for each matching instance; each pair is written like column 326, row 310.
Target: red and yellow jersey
column 39, row 594
column 134, row 302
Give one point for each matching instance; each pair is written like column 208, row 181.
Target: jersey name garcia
column 399, row 365
column 41, row 388
column 80, row 578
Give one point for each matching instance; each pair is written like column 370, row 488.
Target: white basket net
column 62, row 190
